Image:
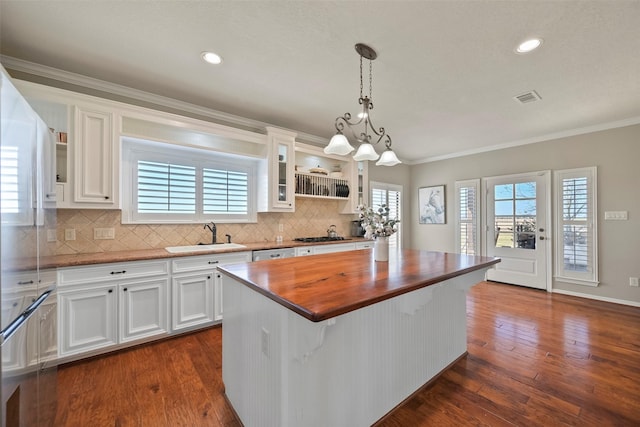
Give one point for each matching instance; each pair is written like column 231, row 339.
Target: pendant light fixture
column 339, row 143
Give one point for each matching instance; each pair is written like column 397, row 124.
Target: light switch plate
column 616, row 216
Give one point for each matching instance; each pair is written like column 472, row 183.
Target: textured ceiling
column 444, row 80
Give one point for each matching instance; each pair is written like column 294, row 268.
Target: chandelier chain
column 360, row 76
column 370, row 80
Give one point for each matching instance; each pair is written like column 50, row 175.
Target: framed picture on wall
column 431, row 203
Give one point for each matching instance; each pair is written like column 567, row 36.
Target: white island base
column 283, row 370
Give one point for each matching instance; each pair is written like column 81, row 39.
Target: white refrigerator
column 27, row 234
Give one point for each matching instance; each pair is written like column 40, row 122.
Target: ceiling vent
column 527, row 97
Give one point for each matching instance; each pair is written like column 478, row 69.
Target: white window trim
column 393, row 187
column 135, row 149
column 579, row 278
column 475, row 184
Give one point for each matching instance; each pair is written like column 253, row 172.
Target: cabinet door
column 281, row 197
column 95, row 162
column 87, row 320
column 192, row 303
column 143, row 309
column 217, row 301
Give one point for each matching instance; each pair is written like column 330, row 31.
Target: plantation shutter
column 225, row 192
column 467, row 218
column 391, row 196
column 576, row 248
column 166, row 188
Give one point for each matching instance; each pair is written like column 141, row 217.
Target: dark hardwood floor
column 535, row 359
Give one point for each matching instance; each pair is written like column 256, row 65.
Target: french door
column 518, row 219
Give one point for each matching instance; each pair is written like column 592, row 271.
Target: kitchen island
column 339, row 339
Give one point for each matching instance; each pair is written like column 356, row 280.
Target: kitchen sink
column 204, row 248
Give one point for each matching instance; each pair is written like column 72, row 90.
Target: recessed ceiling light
column 529, row 45
column 211, row 58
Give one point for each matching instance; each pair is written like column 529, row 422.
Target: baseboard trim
column 596, row 297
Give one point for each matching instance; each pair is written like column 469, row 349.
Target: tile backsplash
column 311, row 218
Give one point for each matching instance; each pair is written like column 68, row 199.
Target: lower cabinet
column 197, row 289
column 193, row 300
column 99, row 317
column 104, row 306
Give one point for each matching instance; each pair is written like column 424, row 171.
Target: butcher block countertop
column 324, row 286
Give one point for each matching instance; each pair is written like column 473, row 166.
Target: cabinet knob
column 106, row 197
column 110, row 290
column 125, row 289
column 208, row 277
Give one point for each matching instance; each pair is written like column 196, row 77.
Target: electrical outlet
column 51, row 235
column 281, row 227
column 104, row 234
column 633, row 281
column 265, row 342
column 70, row 234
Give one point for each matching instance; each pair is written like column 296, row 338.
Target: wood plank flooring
column 535, row 359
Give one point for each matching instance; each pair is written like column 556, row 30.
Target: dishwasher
column 273, row 254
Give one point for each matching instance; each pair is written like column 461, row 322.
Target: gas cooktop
column 318, row 239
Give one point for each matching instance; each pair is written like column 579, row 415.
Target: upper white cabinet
column 277, row 173
column 87, row 145
column 96, row 165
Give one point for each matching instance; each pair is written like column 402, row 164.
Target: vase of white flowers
column 378, row 226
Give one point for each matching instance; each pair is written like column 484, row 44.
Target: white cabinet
column 87, row 147
column 104, row 305
column 277, row 173
column 19, row 290
column 96, row 157
column 143, row 309
column 368, row 244
column 197, row 289
column 327, row 176
column 193, row 299
column 304, row 251
column 87, row 319
column 336, row 247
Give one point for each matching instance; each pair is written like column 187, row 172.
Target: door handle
column 541, row 237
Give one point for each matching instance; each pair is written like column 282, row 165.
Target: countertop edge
column 321, row 316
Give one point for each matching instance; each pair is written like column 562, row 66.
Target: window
column 576, row 226
column 467, row 218
column 169, row 184
column 390, row 195
column 16, row 191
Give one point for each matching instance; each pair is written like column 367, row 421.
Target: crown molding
column 147, row 97
column 548, row 137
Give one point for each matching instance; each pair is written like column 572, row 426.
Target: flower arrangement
column 376, row 223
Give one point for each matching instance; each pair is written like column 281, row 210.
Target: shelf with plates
column 321, row 186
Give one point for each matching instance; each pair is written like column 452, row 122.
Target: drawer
column 304, row 251
column 340, row 247
column 27, row 280
column 364, row 245
column 207, row 262
column 109, row 272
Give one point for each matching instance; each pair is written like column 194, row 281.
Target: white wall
column 616, row 153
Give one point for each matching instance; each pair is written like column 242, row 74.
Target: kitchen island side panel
column 350, row 370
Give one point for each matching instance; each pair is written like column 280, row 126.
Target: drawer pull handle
column 213, row 262
column 119, row 272
column 28, row 282
column 275, row 255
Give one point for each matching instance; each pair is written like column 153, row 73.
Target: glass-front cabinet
column 281, row 191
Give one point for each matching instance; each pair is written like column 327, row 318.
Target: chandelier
column 339, row 143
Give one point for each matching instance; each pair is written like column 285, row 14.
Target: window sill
column 577, row 281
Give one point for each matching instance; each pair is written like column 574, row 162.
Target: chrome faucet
column 213, row 230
